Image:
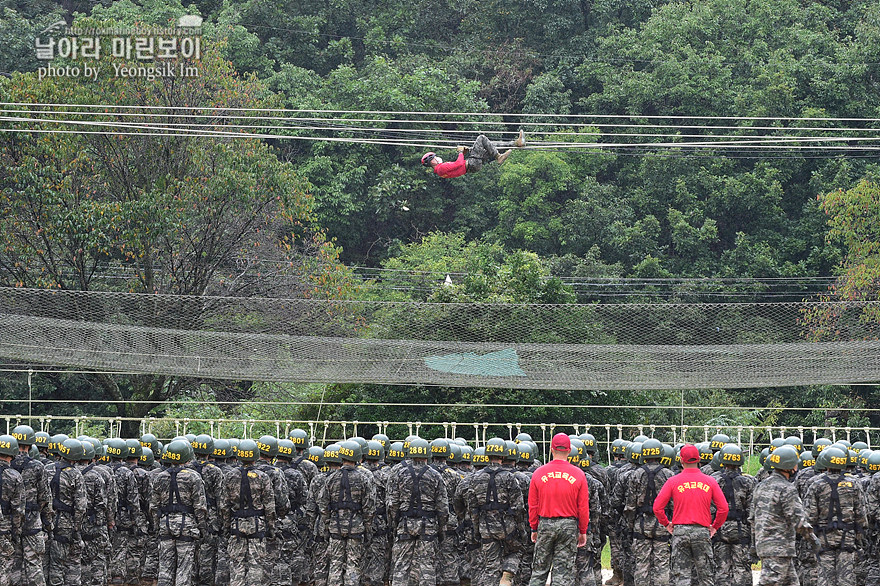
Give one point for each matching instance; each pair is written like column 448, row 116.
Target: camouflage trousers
column 805, row 563
column 150, row 558
column 377, row 565
column 125, row 558
column 692, row 563
column 413, row 562
column 615, row 543
column 30, row 553
column 273, row 554
column 627, row 562
column 584, row 563
column 733, row 564
column 321, row 563
column 837, row 568
column 482, row 151
column 449, row 565
column 177, row 562
column 344, row 560
column 499, row 556
column 206, row 560
column 524, row 573
column 778, row 571
column 651, row 561
column 556, row 549
column 7, row 551
column 247, row 559
column 221, row 575
column 65, row 557
column 94, row 557
column 291, row 562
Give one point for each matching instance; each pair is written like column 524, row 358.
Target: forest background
column 360, row 221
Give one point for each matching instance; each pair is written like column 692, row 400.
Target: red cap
column 690, row 454
column 561, row 442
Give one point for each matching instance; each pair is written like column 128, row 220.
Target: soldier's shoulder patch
column 253, row 475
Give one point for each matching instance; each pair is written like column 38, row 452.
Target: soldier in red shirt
column 470, row 160
column 559, row 513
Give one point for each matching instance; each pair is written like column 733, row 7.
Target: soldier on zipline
column 470, row 160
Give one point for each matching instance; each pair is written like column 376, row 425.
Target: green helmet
column 395, row 453
column 406, row 441
column 589, row 443
column 190, row 437
column 795, row 442
column 247, row 451
column 147, row 459
column 844, row 442
column 874, row 462
column 71, row 450
column 332, row 455
column 731, row 455
column 640, row 438
column 776, row 443
column 525, row 453
column 382, row 439
column 718, row 441
column 807, row 460
column 24, row 435
column 479, row 458
column 820, row 444
column 763, row 457
column 440, row 448
column 857, row 446
column 585, row 462
column 455, row 453
column 268, row 446
column 668, row 456
column 148, row 440
column 316, row 456
column 375, row 451
column 286, row 449
column 715, row 462
column 617, row 447
column 134, row 449
column 511, row 452
column 222, row 449
column 419, row 448
column 88, row 451
column 863, row 458
column 8, row 445
column 41, row 439
column 234, row 442
column 853, row 460
column 833, row 458
column 652, row 449
column 178, row 452
column 460, row 441
column 578, row 445
column 783, row 458
column 634, row 452
column 522, row 437
column 117, row 449
column 706, row 452
column 350, row 451
column 299, row 438
column 203, row 445
column 574, row 456
column 467, row 454
column 55, row 443
column 496, row 447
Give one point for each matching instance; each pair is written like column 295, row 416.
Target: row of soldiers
column 284, row 513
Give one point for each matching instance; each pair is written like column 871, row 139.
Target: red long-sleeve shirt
column 692, row 493
column 452, row 169
column 559, row 489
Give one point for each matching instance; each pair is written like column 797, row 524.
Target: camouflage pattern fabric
column 777, row 513
column 95, row 535
column 413, row 563
column 30, row 546
column 650, row 541
column 293, row 530
column 556, row 548
column 12, row 515
column 65, row 546
column 129, row 523
column 282, row 505
column 732, row 543
column 247, row 521
column 778, row 571
column 835, row 507
column 692, row 561
column 179, row 508
column 206, row 558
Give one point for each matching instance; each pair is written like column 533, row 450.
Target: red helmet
column 427, row 158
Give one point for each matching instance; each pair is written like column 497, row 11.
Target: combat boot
column 502, row 157
column 520, row 140
column 614, row 580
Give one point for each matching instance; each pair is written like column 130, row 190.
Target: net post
column 751, row 440
column 418, row 427
column 510, row 431
column 7, row 425
column 485, row 429
column 185, row 425
column 684, row 434
column 544, row 441
column 608, row 442
column 277, row 428
column 453, row 425
column 476, row 435
column 847, row 434
column 344, row 429
column 355, row 424
column 577, row 428
column 619, row 431
column 653, row 428
column 673, row 429
column 324, row 438
column 801, row 433
column 868, row 437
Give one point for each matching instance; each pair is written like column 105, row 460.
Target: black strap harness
column 834, row 520
column 246, row 510
column 416, row 508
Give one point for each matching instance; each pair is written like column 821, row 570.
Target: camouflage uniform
column 293, row 529
column 142, row 536
column 418, row 509
column 467, row 542
column 347, row 504
column 805, row 562
column 557, row 544
column 248, row 512
column 585, row 562
column 449, row 564
column 776, row 514
column 112, row 505
column 835, row 507
column 206, row 560
column 650, row 545
column 320, row 566
column 305, row 467
column 691, row 560
column 180, row 511
column 129, row 525
column 12, row 511
column 282, row 505
column 733, row 563
column 70, row 504
column 872, row 498
column 624, row 539
column 30, row 547
column 524, row 573
column 495, row 505
column 95, row 531
column 377, row 565
column 150, row 554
